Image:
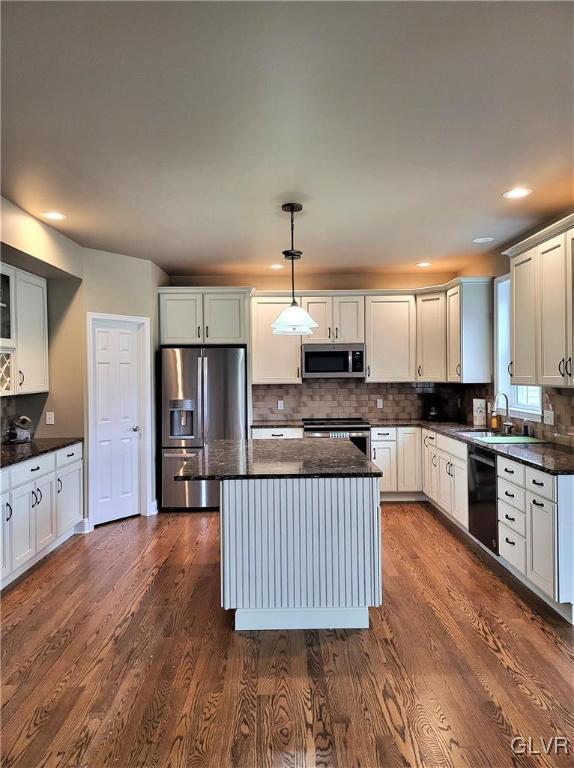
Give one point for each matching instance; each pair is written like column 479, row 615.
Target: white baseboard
column 302, row 618
column 152, row 509
column 37, row 557
column 84, row 527
column 403, row 496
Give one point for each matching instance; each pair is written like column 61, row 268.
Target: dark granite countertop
column 14, row 453
column 241, row 459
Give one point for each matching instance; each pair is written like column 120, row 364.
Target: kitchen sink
column 494, row 438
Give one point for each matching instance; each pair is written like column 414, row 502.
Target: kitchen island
column 300, row 532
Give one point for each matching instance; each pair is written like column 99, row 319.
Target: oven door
column 333, row 361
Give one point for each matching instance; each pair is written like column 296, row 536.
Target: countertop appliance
column 482, row 507
column 20, row 430
column 333, row 361
column 203, row 397
column 357, row 430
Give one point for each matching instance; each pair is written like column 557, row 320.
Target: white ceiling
column 174, row 131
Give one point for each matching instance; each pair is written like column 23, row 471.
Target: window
column 525, row 402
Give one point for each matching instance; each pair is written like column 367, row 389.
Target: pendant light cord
column 293, row 302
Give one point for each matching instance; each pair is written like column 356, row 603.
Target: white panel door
column 431, row 337
column 444, row 487
column 116, row 422
column 409, row 468
column 349, row 319
column 540, row 543
column 384, row 456
column 552, row 302
column 523, row 319
column 5, row 535
column 391, row 338
column 275, row 359
column 321, row 310
column 460, row 492
column 69, row 498
column 570, row 306
column 181, row 318
column 31, row 333
column 224, row 318
column 453, row 329
column 45, row 511
column 23, row 527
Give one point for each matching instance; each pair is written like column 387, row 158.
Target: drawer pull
column 69, row 455
column 537, row 482
column 34, row 469
column 384, row 434
column 507, row 540
column 277, row 434
column 512, row 519
column 510, row 471
column 510, row 495
column 537, row 503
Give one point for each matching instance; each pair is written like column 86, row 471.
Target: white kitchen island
column 300, row 531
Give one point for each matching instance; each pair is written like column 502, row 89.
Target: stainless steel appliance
column 333, row 361
column 482, row 510
column 203, row 397
column 358, row 431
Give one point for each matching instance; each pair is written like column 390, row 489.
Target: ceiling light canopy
column 53, row 215
column 483, row 239
column 293, row 321
column 516, row 193
column 424, row 264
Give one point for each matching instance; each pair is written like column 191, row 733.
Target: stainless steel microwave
column 333, row 361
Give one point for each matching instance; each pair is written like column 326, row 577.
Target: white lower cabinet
column 6, row 535
column 69, row 498
column 541, row 545
column 444, row 490
column 23, row 524
column 45, row 511
column 409, row 470
column 459, row 474
column 384, row 455
column 445, row 475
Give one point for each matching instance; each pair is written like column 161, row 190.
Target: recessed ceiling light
column 485, row 239
column 276, row 266
column 53, row 215
column 516, row 193
column 424, row 264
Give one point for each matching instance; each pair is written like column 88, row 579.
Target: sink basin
column 493, row 438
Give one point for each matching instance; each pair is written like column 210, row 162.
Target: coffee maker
column 431, row 407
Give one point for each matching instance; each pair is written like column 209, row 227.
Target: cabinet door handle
column 35, row 499
column 562, row 367
column 374, row 453
column 41, row 495
column 510, row 368
column 507, row 540
column 35, row 469
column 537, row 503
column 426, row 442
column 510, row 495
column 510, row 471
column 458, row 369
column 537, row 482
column 298, row 372
column 21, row 377
column 329, row 332
column 420, row 370
column 336, row 333
column 368, row 370
column 512, row 519
column 9, row 508
column 433, row 461
column 206, row 331
column 59, row 484
column 198, row 331
column 569, row 366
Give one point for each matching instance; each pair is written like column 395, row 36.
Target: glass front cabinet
column 7, row 329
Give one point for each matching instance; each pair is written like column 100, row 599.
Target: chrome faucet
column 507, row 425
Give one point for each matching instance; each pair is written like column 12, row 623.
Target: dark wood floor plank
column 115, row 652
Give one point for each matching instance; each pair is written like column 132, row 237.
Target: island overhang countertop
column 244, row 459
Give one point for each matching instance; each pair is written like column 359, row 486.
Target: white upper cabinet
column 431, row 337
column 203, row 317
column 181, row 318
column 321, row 310
column 224, row 318
column 570, row 306
column 341, row 319
column 349, row 319
column 469, row 332
column 554, row 295
column 390, row 338
column 31, row 333
column 7, row 306
column 275, row 359
column 523, row 366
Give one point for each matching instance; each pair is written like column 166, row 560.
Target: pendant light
column 293, row 321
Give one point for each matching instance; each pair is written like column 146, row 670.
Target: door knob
column 136, row 428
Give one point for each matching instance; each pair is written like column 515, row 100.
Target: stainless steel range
column 358, row 431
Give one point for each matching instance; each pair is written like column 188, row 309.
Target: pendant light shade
column 293, row 321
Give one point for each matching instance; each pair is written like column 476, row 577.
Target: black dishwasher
column 482, row 513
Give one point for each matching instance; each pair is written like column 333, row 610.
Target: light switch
column 549, row 417
column 379, row 402
column 279, row 405
column 49, row 417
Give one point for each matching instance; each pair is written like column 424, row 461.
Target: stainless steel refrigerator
column 203, row 397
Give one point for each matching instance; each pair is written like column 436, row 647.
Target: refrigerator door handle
column 205, row 401
column 200, row 408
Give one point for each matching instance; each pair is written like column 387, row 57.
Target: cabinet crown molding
column 541, row 236
column 380, row 291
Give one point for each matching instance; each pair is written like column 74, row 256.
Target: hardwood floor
column 115, row 652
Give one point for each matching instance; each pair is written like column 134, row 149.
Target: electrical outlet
column 379, row 402
column 549, row 417
column 279, row 405
column 49, row 417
